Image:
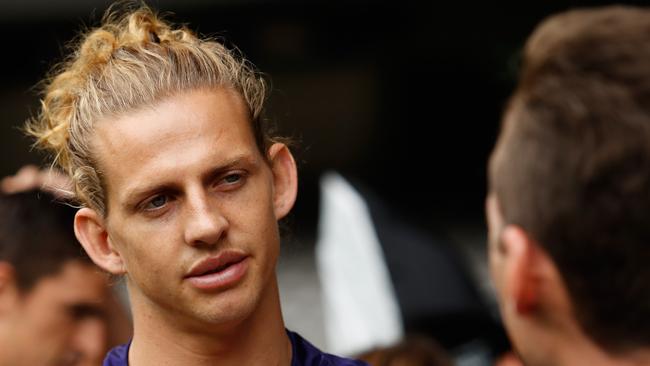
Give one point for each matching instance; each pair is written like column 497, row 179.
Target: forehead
column 187, row 115
column 180, row 133
column 76, row 282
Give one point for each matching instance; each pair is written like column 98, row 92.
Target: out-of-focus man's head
column 569, row 202
column 51, row 296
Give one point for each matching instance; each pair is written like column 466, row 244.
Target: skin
column 60, row 321
column 185, row 181
column 32, row 177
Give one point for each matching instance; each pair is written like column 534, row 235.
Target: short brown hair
column 36, row 236
column 573, row 164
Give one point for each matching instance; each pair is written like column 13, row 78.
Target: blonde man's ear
column 91, row 232
column 285, row 179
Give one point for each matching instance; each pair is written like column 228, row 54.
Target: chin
column 528, row 350
column 232, row 306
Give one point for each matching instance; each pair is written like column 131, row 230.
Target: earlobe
column 8, row 287
column 6, row 274
column 522, row 283
column 91, row 232
column 285, row 179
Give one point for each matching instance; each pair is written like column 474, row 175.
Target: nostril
column 207, row 230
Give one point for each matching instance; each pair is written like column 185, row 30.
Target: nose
column 90, row 341
column 205, row 224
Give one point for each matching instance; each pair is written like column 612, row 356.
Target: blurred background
column 402, row 98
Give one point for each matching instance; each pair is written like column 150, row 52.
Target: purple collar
column 303, row 354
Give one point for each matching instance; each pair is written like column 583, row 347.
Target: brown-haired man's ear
column 521, row 269
column 527, row 279
column 285, row 179
column 91, row 232
column 8, row 287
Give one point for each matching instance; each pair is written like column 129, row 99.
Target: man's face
column 59, row 321
column 494, row 215
column 516, row 326
column 190, row 208
column 495, row 257
column 495, row 223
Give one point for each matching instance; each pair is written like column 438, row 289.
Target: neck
column 585, row 352
column 11, row 353
column 6, row 357
column 571, row 346
column 260, row 339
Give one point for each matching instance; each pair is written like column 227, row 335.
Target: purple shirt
column 303, row 353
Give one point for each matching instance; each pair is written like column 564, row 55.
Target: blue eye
column 232, row 178
column 157, row 202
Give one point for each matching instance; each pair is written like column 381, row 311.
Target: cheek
column 253, row 224
column 257, row 230
column 147, row 266
column 497, row 273
column 495, row 259
column 495, row 227
column 493, row 267
column 91, row 338
column 142, row 245
column 50, row 328
column 252, row 212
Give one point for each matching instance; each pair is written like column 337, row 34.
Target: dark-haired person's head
column 569, row 202
column 51, row 295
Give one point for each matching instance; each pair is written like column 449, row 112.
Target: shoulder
column 118, row 356
column 306, row 354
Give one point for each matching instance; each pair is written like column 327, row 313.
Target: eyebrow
column 87, row 310
column 134, row 195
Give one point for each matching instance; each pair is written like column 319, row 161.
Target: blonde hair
column 134, row 59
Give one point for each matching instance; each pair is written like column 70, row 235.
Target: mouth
column 218, row 272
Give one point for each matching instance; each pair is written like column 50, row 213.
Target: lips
column 218, row 272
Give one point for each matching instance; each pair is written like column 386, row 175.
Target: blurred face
column 497, row 264
column 191, row 212
column 497, row 257
column 59, row 321
column 496, row 224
